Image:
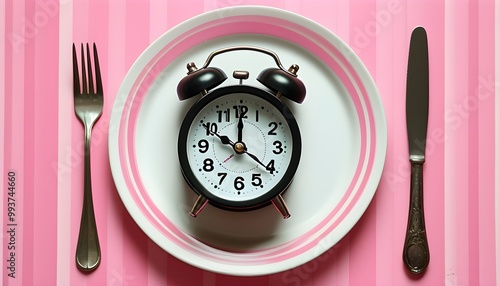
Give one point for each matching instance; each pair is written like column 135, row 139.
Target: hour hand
column 223, row 138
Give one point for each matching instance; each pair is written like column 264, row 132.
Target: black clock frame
column 198, row 187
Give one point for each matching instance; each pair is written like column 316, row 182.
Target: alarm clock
column 239, row 145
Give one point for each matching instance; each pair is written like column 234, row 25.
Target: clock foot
column 280, row 205
column 198, row 206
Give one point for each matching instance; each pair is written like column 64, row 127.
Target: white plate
column 341, row 120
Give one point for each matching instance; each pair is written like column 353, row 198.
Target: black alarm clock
column 239, row 146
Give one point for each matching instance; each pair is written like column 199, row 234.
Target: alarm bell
column 281, row 81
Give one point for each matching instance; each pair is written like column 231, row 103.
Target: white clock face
column 239, row 146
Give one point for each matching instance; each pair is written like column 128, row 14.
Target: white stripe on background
column 449, row 228
column 497, row 138
column 452, row 225
column 64, row 142
column 116, row 56
column 18, row 108
column 157, row 19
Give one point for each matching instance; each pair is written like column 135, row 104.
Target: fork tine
column 98, row 80
column 76, row 76
column 90, row 71
column 84, row 72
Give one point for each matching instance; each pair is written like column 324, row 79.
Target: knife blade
column 416, row 248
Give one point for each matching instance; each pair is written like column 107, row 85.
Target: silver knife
column 416, row 248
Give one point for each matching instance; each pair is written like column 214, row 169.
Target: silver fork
column 88, row 108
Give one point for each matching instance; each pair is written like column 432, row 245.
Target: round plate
column 343, row 150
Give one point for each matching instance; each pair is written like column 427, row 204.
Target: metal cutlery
column 416, row 249
column 88, row 102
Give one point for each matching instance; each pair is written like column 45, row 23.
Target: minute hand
column 270, row 169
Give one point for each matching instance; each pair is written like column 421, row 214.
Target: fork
column 88, row 108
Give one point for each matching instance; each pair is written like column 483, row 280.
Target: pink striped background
column 43, row 142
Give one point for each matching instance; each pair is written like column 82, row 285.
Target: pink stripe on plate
column 269, row 26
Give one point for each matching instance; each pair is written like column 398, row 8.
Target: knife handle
column 416, row 249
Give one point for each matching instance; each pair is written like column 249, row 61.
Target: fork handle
column 88, row 251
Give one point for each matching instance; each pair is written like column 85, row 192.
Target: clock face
column 239, row 147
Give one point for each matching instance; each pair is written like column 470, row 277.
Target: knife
column 416, row 248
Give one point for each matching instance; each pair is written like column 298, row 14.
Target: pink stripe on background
column 177, row 11
column 456, row 158
column 116, row 240
column 65, row 253
column 29, row 154
column 15, row 65
column 158, row 19
column 29, row 146
column 80, row 35
column 180, row 273
column 3, row 115
column 473, row 166
column 7, row 114
column 157, row 268
column 397, row 172
column 102, row 184
column 44, row 125
column 136, row 40
column 3, row 58
column 496, row 150
column 366, row 50
column 390, row 80
column 485, row 93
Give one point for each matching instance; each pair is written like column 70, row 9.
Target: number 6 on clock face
column 239, row 146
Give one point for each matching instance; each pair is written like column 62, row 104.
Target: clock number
column 203, row 144
column 211, row 128
column 222, row 177
column 238, row 183
column 278, row 145
column 208, row 165
column 224, row 115
column 270, row 167
column 257, row 115
column 273, row 126
column 240, row 111
column 256, row 180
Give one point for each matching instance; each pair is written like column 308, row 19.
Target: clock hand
column 240, row 129
column 239, row 147
column 255, row 158
column 270, row 169
column 224, row 139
